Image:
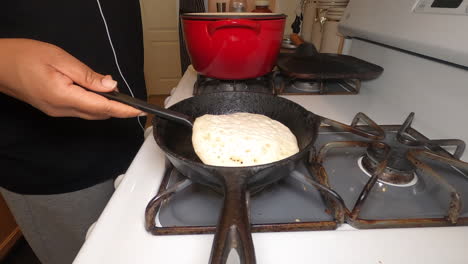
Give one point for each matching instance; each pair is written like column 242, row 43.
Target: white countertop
column 119, row 235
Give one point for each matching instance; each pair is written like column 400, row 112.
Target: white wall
column 288, row 7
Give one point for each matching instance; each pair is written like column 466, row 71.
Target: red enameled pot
column 233, row 46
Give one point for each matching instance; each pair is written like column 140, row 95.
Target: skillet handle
column 233, row 230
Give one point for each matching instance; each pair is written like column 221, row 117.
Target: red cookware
column 233, row 46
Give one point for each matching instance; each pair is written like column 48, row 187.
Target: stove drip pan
column 292, row 204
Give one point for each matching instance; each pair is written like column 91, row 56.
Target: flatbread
column 241, row 139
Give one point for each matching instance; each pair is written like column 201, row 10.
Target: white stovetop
column 119, row 235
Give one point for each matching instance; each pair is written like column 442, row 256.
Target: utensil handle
column 296, row 39
column 304, row 49
column 233, row 230
column 233, row 23
column 149, row 108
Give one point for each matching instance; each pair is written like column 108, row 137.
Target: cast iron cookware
column 233, row 46
column 308, row 63
column 233, row 229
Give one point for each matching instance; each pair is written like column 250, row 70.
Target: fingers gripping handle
column 149, row 108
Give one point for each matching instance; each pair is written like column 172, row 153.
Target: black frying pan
column 233, row 230
column 174, row 136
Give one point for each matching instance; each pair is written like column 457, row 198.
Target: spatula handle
column 149, row 108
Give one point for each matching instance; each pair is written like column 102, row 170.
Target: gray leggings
column 55, row 225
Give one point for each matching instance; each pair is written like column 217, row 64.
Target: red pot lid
column 221, row 16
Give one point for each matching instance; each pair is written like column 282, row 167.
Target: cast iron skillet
column 233, row 230
column 173, row 133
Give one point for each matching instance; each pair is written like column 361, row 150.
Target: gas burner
column 386, row 175
column 370, row 175
column 292, row 86
column 399, row 171
column 306, row 86
column 206, row 85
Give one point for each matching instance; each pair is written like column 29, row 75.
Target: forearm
column 8, row 52
column 16, row 58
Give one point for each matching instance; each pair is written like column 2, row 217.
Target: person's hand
column 44, row 76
